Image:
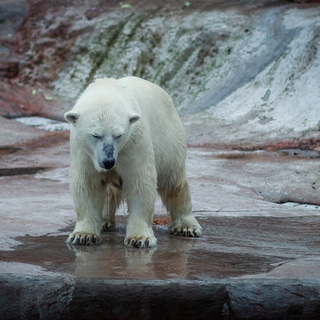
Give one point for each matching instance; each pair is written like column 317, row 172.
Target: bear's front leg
column 89, row 201
column 139, row 231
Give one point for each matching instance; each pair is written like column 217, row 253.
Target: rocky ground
column 255, row 190
column 259, row 245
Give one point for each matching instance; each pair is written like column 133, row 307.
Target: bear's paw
column 140, row 241
column 83, row 238
column 186, row 228
column 109, row 227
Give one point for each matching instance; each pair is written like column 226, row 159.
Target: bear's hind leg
column 177, row 200
column 111, row 204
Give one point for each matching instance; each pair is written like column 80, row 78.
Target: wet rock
column 256, row 257
column 223, row 276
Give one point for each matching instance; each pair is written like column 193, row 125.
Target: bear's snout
column 108, row 160
column 108, row 163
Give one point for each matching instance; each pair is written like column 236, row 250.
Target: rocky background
column 242, row 73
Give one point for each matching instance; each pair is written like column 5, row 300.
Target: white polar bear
column 127, row 142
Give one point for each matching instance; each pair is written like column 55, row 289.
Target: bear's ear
column 72, row 117
column 134, row 118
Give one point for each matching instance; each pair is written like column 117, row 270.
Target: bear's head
column 102, row 122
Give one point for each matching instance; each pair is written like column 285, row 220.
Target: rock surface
column 239, row 74
column 257, row 258
column 244, row 78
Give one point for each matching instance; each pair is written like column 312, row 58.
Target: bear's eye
column 96, row 136
column 118, row 136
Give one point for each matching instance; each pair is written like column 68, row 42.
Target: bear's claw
column 83, row 239
column 186, row 226
column 147, row 243
column 186, row 232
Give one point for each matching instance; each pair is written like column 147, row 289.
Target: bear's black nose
column 109, row 163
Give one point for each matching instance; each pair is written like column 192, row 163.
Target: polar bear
column 127, row 142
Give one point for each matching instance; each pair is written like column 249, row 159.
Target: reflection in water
column 113, row 260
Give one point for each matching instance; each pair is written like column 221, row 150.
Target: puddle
column 44, row 123
column 4, row 172
column 8, row 150
column 262, row 154
column 300, row 153
column 242, row 155
column 230, row 247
